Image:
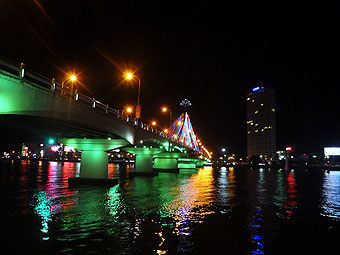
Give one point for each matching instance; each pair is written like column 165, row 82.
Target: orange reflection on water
column 158, row 251
column 193, row 201
column 231, row 183
column 112, row 170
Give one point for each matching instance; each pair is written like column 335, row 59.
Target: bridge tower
column 182, row 133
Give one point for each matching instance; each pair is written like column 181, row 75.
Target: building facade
column 261, row 128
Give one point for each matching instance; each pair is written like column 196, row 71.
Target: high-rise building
column 261, row 128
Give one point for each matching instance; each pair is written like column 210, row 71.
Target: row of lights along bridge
column 128, row 110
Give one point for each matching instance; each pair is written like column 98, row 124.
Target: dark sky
column 209, row 53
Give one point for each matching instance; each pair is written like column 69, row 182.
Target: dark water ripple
column 225, row 211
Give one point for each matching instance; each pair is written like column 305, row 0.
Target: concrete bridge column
column 167, row 161
column 187, row 163
column 94, row 164
column 144, row 156
column 94, row 158
column 200, row 163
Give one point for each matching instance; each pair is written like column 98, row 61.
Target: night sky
column 209, row 53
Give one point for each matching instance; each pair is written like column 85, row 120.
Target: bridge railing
column 40, row 81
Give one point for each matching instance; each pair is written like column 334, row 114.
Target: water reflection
column 226, row 184
column 331, row 190
column 285, row 197
column 45, row 208
column 291, row 200
column 115, row 202
column 50, row 199
column 47, row 202
column 275, row 199
column 176, row 201
column 256, row 225
column 239, row 211
column 256, row 232
column 191, row 205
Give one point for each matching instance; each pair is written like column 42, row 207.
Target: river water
column 204, row 211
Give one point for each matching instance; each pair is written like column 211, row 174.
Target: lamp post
column 127, row 110
column 130, row 76
column 71, row 78
column 165, row 109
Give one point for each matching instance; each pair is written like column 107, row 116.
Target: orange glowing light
column 129, row 76
column 73, row 77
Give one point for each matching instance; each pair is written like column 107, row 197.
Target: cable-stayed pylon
column 181, row 129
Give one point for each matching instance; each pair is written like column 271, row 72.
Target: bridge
column 30, row 102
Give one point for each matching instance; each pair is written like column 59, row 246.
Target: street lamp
column 71, row 78
column 165, row 109
column 130, row 76
column 127, row 110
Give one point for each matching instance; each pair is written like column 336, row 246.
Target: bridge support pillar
column 94, row 158
column 187, row 163
column 167, row 161
column 94, row 164
column 144, row 156
column 200, row 163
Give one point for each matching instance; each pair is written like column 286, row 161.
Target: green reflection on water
column 43, row 207
column 115, row 203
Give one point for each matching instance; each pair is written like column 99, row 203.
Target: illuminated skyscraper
column 261, row 128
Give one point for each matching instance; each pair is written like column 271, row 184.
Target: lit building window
column 261, row 104
column 248, row 132
column 256, row 124
column 248, row 98
column 256, row 131
column 273, row 110
column 256, row 112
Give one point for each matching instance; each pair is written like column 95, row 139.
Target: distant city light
column 51, row 141
column 288, row 148
column 257, row 88
column 55, row 148
column 69, row 149
column 332, row 151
